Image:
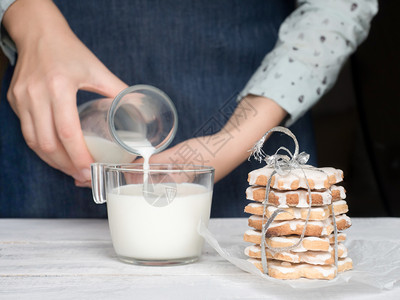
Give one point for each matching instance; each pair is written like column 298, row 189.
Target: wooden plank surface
column 74, row 259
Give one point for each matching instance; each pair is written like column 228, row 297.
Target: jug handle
column 98, row 183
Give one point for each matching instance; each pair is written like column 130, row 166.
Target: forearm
column 252, row 118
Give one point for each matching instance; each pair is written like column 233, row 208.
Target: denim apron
column 201, row 53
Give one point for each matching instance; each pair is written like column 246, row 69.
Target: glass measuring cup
column 156, row 226
column 117, row 130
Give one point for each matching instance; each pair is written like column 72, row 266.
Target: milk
column 151, row 221
column 142, row 231
column 145, row 150
column 106, row 151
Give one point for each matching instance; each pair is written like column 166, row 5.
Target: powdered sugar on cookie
column 297, row 198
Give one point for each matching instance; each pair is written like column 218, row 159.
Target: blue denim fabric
column 201, row 53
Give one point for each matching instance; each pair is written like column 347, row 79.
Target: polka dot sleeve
column 6, row 44
column 313, row 44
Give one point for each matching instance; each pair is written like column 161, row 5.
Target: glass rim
column 157, row 168
column 133, row 89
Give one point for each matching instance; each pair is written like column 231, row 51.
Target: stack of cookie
column 314, row 258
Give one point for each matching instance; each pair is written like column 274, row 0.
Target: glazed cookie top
column 318, row 178
column 314, row 228
column 311, row 257
column 297, row 198
column 316, row 213
column 308, row 243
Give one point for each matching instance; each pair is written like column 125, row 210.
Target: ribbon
column 283, row 165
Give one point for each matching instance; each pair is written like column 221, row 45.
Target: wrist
column 42, row 17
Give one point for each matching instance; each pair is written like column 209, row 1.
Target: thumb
column 102, row 81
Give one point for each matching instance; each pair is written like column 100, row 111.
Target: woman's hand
column 52, row 65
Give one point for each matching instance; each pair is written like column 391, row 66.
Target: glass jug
column 117, row 130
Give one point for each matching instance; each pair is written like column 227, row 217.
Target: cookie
column 298, row 198
column 340, row 207
column 314, row 228
column 310, row 257
column 318, row 179
column 316, row 213
column 291, row 213
column 308, row 243
column 286, row 270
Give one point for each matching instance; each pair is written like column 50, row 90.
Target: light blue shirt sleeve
column 313, row 44
column 6, row 44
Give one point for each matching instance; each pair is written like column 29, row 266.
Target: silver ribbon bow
column 283, row 165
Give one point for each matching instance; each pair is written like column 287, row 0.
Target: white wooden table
column 74, row 259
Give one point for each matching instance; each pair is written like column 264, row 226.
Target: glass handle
column 98, row 183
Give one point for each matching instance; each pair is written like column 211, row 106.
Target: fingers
column 66, row 117
column 68, row 132
column 50, row 122
column 40, row 127
column 46, row 143
column 52, row 65
column 29, row 133
column 43, row 95
column 86, row 184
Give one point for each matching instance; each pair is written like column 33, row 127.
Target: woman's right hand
column 52, row 65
